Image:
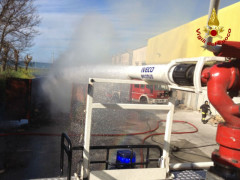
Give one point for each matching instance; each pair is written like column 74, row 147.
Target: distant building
column 136, row 57
column 139, row 56
column 123, row 59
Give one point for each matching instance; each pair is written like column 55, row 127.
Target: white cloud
column 133, row 21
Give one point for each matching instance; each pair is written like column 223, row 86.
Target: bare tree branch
column 18, row 22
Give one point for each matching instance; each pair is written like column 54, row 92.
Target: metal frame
column 88, row 120
column 69, row 150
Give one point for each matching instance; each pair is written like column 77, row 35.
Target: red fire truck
column 141, row 93
column 150, row 94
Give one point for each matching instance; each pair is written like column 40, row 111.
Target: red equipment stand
column 223, row 83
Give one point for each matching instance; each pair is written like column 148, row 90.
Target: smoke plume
column 88, row 55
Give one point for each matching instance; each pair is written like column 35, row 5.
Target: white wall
column 193, row 100
column 139, row 56
column 125, row 59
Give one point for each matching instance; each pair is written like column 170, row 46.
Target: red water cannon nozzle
column 223, row 83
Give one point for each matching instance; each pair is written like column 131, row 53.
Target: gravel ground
column 38, row 156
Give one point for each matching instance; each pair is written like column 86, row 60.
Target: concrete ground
column 31, row 157
column 196, row 147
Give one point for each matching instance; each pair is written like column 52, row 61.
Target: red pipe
column 223, row 83
column 223, row 78
column 229, row 49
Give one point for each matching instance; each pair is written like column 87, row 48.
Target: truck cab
column 149, row 94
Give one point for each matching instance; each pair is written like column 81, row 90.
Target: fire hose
column 123, row 134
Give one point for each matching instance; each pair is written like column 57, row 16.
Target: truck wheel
column 143, row 100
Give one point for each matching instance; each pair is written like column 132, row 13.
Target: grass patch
column 22, row 73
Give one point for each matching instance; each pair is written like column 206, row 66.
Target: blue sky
column 108, row 26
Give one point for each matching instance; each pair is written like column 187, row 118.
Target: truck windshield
column 160, row 87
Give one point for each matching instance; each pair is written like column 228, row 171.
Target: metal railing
column 69, row 148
